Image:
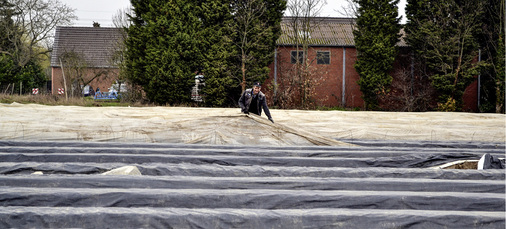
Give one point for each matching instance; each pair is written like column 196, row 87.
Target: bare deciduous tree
column 349, row 10
column 301, row 79
column 249, row 28
column 118, row 49
column 78, row 72
column 120, row 19
column 408, row 93
column 37, row 20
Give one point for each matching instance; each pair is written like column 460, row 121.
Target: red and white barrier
column 35, row 91
column 61, row 91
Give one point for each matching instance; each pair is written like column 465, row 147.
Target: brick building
column 87, row 55
column 330, row 57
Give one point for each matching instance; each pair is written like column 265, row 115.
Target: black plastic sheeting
column 376, row 184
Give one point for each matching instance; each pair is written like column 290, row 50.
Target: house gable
column 96, row 45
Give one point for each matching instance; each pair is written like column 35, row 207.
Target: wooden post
column 64, row 82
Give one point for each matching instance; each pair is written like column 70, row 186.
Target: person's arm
column 266, row 109
column 241, row 102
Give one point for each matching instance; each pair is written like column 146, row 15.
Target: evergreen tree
column 492, row 52
column 216, row 50
column 135, row 62
column 163, row 49
column 442, row 35
column 7, row 69
column 9, row 32
column 169, row 42
column 31, row 76
column 376, row 34
column 258, row 26
column 10, row 35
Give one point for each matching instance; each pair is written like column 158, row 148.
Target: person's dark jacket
column 245, row 103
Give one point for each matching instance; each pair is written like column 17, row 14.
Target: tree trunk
column 243, row 70
column 499, row 95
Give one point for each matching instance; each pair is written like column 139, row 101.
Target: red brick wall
column 327, row 80
column 103, row 82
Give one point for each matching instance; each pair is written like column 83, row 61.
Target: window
column 297, row 57
column 323, row 57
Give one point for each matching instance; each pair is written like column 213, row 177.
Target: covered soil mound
column 217, row 168
column 229, row 126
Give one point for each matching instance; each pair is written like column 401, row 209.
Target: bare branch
column 300, row 80
column 350, row 10
column 38, row 20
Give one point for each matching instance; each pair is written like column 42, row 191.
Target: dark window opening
column 297, row 57
column 323, row 57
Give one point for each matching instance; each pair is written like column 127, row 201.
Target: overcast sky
column 102, row 11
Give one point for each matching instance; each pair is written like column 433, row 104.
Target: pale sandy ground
column 228, row 126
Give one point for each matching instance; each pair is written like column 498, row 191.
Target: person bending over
column 253, row 101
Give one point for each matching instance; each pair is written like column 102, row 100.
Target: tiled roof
column 325, row 31
column 96, row 44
